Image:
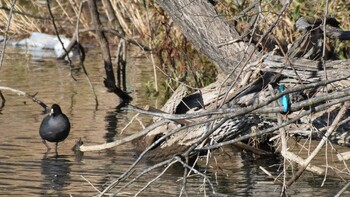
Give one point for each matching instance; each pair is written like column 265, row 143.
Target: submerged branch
column 313, row 154
column 21, row 93
column 84, row 148
column 168, row 164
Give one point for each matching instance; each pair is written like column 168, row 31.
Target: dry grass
column 132, row 16
column 20, row 23
column 148, row 23
column 178, row 59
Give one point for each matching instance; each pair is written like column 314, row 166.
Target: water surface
column 25, row 169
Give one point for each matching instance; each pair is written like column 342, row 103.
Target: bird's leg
column 47, row 146
column 56, row 149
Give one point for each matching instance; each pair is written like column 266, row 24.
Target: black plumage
column 55, row 127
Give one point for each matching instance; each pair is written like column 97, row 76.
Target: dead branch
column 110, row 82
column 269, row 130
column 342, row 190
column 331, row 129
column 154, row 179
column 192, row 17
column 127, row 39
column 161, row 164
column 100, row 147
column 207, row 30
column 70, row 46
column 234, row 112
column 343, row 156
column 75, row 40
column 59, row 37
column 154, row 144
column 32, row 97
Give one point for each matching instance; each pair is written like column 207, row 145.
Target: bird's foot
column 47, row 146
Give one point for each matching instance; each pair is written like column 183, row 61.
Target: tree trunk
column 208, row 31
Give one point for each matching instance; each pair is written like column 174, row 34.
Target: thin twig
column 59, row 38
column 6, row 31
column 166, row 162
column 150, row 46
column 324, row 40
column 283, row 138
column 129, row 123
column 156, row 178
column 90, row 184
column 197, row 172
column 82, row 54
column 234, row 112
column 247, row 136
column 342, row 190
column 321, row 143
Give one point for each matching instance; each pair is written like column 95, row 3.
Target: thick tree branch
column 206, row 29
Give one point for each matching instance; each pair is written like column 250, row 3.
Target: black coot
column 55, row 127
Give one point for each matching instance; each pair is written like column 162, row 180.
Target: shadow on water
column 112, row 121
column 56, row 173
column 24, row 171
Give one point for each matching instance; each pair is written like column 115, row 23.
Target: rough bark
column 227, row 112
column 207, row 30
column 203, row 26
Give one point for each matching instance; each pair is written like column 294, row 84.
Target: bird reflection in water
column 56, row 174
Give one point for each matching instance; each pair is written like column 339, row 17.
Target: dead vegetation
column 255, row 48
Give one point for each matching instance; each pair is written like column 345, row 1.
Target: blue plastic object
column 284, row 100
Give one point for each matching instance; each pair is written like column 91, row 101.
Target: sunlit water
column 25, row 169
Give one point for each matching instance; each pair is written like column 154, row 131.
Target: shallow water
column 25, row 169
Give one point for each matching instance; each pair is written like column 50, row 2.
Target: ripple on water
column 26, row 170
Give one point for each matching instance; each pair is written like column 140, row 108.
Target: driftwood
column 244, row 86
column 21, row 93
column 269, row 68
column 242, row 103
